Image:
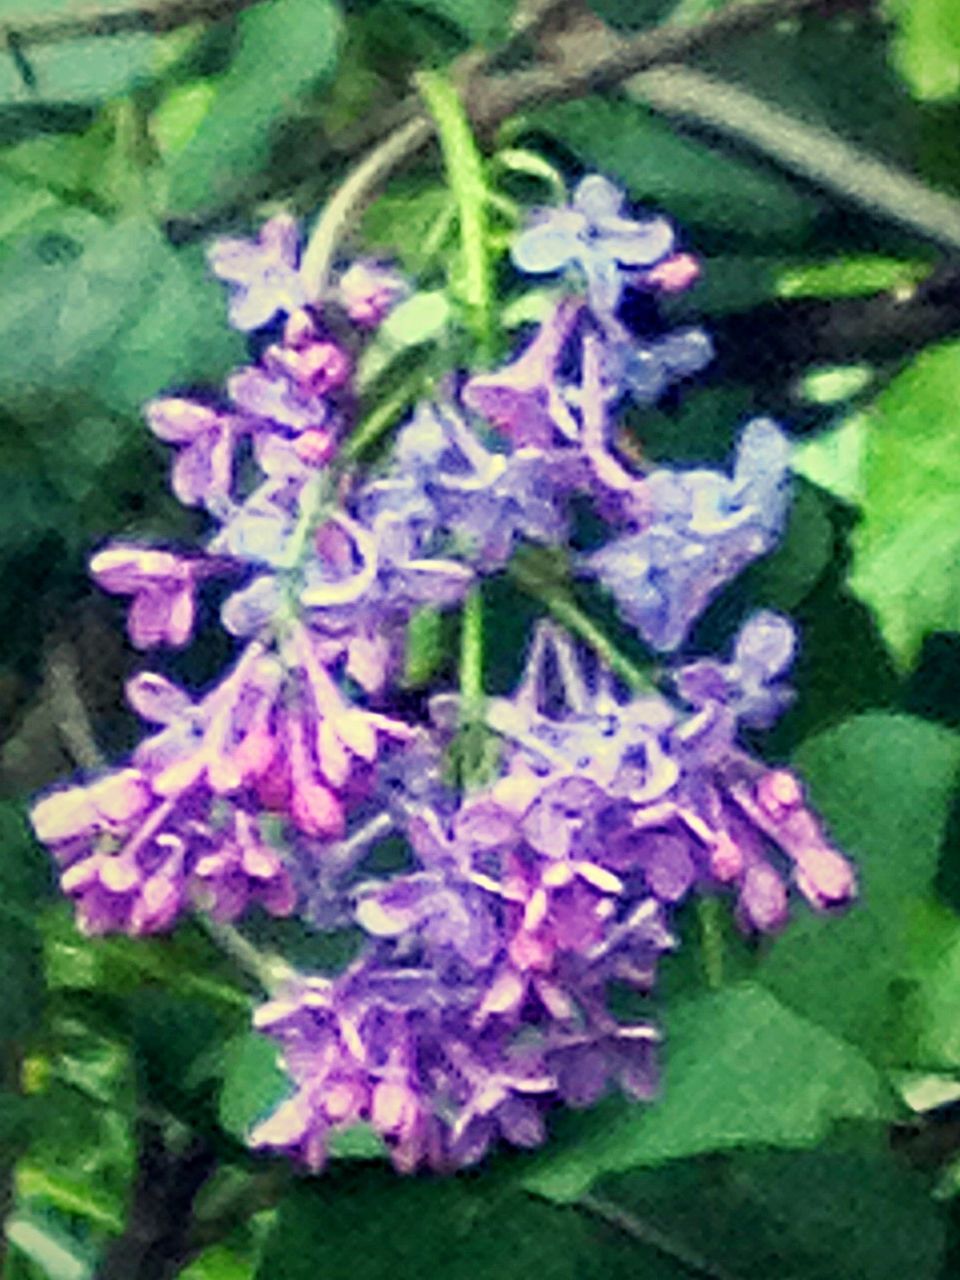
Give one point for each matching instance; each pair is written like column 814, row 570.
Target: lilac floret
column 703, row 529
column 593, row 234
column 263, row 274
column 163, row 587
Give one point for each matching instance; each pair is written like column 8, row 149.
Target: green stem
column 472, row 725
column 382, row 418
column 270, row 971
column 710, row 914
column 471, row 650
column 464, row 165
column 564, row 608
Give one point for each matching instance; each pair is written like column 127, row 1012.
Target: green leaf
column 57, row 1254
column 179, row 337
column 834, row 460
column 926, row 47
column 907, row 547
column 481, row 21
column 253, row 1084
column 882, row 784
column 695, row 183
column 783, row 579
column 801, row 1215
column 929, row 1028
column 370, row 1223
column 285, row 48
column 740, row 1070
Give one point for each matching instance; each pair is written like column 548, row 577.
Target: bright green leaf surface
column 882, row 784
column 253, row 1083
column 927, row 46
column 740, row 1070
column 907, row 547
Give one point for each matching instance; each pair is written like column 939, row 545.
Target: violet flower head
column 593, row 234
column 263, row 274
column 704, row 528
column 162, row 585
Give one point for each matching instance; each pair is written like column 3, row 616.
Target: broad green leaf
column 253, row 1083
column 848, row 1211
column 926, row 47
column 285, row 48
column 907, row 546
column 882, row 784
column 783, row 579
column 835, row 459
column 928, row 1033
column 480, row 21
column 695, row 183
column 740, row 1070
column 180, row 337
column 370, row 1223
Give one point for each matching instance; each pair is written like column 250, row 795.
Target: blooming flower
column 263, row 274
column 162, row 585
column 203, row 471
column 593, row 234
column 703, row 529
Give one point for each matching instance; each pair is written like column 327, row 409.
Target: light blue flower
column 705, row 528
column 593, row 234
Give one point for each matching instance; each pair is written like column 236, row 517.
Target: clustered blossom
column 478, row 997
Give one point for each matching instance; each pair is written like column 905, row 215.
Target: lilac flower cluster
column 479, row 995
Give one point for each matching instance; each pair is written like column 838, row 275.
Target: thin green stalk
column 464, row 165
column 564, row 608
column 473, row 734
column 710, row 915
column 270, row 971
column 471, row 649
column 379, row 422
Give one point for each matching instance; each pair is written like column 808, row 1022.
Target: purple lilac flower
column 369, row 291
column 162, row 585
column 702, row 530
column 672, row 798
column 749, row 685
column 203, row 470
column 593, row 234
column 525, row 400
column 263, row 274
column 132, row 860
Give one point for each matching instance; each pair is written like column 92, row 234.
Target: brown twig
column 115, row 20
